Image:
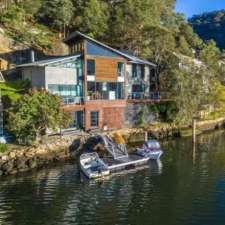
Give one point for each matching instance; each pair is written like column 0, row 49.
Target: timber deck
column 124, row 163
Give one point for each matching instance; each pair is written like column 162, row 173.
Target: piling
column 194, row 130
column 146, row 135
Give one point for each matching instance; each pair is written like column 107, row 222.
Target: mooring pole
column 194, row 130
column 194, row 138
column 146, row 135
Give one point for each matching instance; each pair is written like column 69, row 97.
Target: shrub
column 3, row 148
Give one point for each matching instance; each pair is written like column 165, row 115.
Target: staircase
column 119, row 152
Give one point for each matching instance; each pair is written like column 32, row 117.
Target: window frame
column 88, row 70
column 96, row 124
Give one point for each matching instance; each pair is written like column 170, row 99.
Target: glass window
column 64, row 90
column 94, row 119
column 91, row 67
column 142, row 71
column 139, row 71
column 120, row 69
column 138, row 88
column 91, row 86
column 134, row 70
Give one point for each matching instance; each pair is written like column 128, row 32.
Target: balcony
column 73, row 100
column 109, row 95
column 139, row 97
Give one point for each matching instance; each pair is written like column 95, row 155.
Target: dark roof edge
column 48, row 61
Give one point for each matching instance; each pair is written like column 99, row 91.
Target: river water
column 187, row 187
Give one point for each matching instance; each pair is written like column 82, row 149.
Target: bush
column 3, row 148
column 30, row 116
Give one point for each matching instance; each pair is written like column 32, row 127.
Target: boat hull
column 153, row 155
column 92, row 166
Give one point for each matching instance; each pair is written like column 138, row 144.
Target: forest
column 148, row 28
column 210, row 26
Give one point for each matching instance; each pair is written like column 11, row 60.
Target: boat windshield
column 152, row 144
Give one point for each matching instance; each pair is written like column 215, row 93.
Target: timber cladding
column 106, row 68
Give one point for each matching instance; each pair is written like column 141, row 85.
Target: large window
column 94, row 119
column 138, row 71
column 105, row 90
column 65, row 90
column 120, row 69
column 134, row 70
column 90, row 67
column 138, row 88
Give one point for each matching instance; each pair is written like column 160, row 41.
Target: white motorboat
column 151, row 149
column 92, row 166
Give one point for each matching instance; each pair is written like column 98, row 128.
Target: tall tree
column 56, row 13
column 90, row 17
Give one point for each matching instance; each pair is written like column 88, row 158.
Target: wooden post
column 194, row 130
column 146, row 135
column 194, row 138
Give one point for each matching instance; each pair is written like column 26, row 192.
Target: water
column 183, row 189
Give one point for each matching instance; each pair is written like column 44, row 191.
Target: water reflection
column 174, row 191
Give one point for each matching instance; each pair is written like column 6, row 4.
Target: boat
column 151, row 149
column 92, row 166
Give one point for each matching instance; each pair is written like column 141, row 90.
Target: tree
column 210, row 54
column 32, row 114
column 184, row 47
column 195, row 88
column 129, row 18
column 56, row 13
column 90, row 17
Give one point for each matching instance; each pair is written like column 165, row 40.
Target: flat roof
column 49, row 61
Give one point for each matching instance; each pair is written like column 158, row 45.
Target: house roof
column 50, row 61
column 130, row 57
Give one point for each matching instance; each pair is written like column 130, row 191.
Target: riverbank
column 20, row 159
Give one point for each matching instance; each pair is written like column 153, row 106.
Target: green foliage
column 22, row 27
column 165, row 111
column 57, row 13
column 33, row 113
column 90, row 17
column 192, row 88
column 3, row 148
column 14, row 90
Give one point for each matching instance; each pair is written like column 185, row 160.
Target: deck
column 129, row 162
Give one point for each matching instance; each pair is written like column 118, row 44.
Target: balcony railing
column 152, row 96
column 156, row 95
column 103, row 96
column 73, row 100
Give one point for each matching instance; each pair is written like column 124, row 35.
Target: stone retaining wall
column 27, row 158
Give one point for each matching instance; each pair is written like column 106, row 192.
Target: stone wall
column 133, row 112
column 27, row 158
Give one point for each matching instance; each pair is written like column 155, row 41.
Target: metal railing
column 156, row 95
column 102, row 96
column 73, row 100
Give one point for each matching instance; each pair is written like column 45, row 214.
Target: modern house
column 98, row 84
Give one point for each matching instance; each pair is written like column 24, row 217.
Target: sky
column 193, row 7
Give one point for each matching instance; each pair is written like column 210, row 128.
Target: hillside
column 210, row 26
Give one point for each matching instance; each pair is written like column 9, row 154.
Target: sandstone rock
column 4, row 158
column 21, row 162
column 12, row 155
column 7, row 167
column 14, row 171
column 32, row 163
column 1, row 172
